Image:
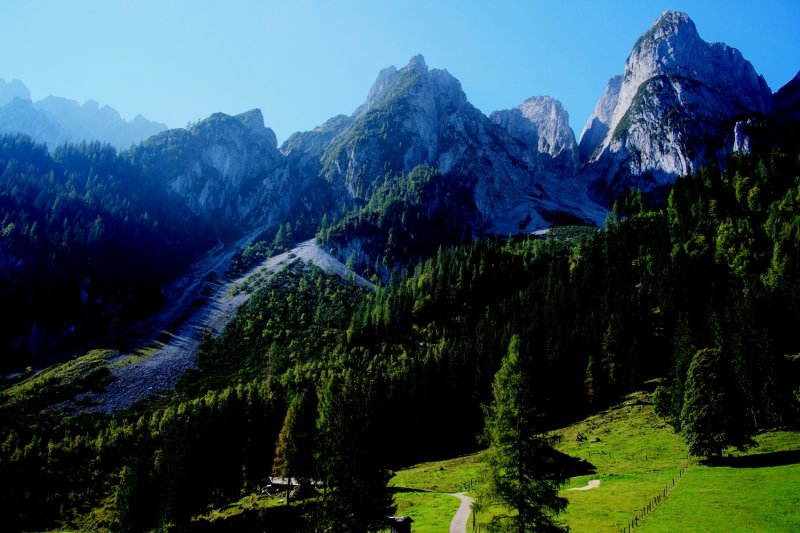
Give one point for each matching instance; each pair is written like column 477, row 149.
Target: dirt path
column 459, row 522
column 593, row 484
column 138, row 379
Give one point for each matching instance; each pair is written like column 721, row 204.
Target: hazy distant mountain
column 55, row 121
column 11, row 90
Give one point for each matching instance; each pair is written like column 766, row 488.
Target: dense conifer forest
column 87, row 243
column 319, row 379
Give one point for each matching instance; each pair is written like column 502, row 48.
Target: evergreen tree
column 714, row 414
column 294, row 454
column 356, row 498
column 525, row 472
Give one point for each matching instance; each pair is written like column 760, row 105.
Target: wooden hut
column 400, row 524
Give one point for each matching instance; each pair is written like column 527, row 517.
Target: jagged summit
column 678, row 95
column 392, row 83
column 55, row 120
column 254, row 121
column 406, row 120
column 673, row 47
column 13, row 89
column 388, row 76
column 542, row 123
column 668, row 25
column 417, row 64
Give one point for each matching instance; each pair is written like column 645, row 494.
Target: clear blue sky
column 303, row 61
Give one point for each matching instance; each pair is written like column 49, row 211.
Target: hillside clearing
column 636, row 456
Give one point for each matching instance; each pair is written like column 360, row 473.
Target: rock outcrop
column 506, row 172
column 596, row 128
column 542, row 124
column 678, row 102
column 227, row 168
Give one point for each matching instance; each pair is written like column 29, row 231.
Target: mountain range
column 55, row 120
column 415, row 167
column 680, row 103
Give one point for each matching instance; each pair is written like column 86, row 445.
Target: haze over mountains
column 55, row 120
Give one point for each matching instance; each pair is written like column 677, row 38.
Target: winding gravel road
column 140, row 378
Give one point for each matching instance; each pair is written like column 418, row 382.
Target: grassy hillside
column 758, row 491
column 636, row 456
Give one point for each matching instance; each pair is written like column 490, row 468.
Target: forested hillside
column 85, row 243
column 318, row 379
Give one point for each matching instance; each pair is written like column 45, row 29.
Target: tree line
column 85, row 241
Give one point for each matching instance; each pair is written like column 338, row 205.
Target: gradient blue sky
column 303, row 61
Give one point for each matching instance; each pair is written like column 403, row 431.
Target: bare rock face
column 596, row 128
column 542, row 124
column 675, row 110
column 505, row 171
column 227, row 168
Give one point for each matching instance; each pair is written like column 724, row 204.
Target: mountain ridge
column 678, row 105
column 55, row 120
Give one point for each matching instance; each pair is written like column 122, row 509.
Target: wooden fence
column 642, row 513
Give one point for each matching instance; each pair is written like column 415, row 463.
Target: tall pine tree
column 526, row 474
column 715, row 413
column 356, row 498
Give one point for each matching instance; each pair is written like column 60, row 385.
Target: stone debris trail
column 137, row 379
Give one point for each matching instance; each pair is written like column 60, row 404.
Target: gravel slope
column 137, row 379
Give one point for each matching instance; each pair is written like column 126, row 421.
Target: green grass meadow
column 636, row 456
column 756, row 491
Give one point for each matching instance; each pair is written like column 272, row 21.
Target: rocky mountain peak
column 13, row 89
column 668, row 26
column 253, row 120
column 384, row 79
column 417, row 65
column 596, row 128
column 673, row 47
column 678, row 96
column 225, row 167
column 391, row 82
column 541, row 122
column 403, row 123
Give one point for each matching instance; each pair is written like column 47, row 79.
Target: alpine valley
column 204, row 317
